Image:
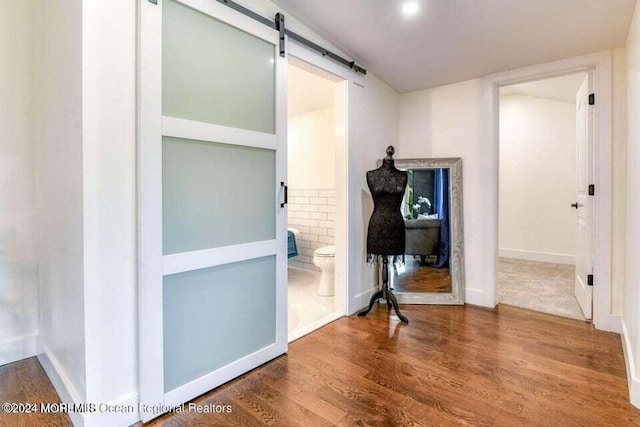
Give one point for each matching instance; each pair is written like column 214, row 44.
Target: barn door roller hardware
column 282, row 31
column 278, row 24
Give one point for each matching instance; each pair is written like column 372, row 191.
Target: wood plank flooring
column 26, row 382
column 449, row 366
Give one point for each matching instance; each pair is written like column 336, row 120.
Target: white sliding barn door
column 212, row 231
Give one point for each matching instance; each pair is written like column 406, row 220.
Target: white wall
column 85, row 167
column 311, row 148
column 18, row 262
column 452, row 118
column 414, row 125
column 458, row 121
column 59, row 170
column 374, row 128
column 109, row 156
column 537, row 179
column 631, row 310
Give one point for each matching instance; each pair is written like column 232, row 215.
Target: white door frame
column 152, row 265
column 344, row 181
column 600, row 65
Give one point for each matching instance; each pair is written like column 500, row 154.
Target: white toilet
column 324, row 258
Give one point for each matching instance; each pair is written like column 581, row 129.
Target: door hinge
column 592, row 99
column 590, row 279
column 592, row 190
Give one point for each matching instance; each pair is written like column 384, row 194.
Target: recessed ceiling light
column 410, row 8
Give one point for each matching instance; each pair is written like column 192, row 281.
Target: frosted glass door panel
column 215, row 316
column 216, row 195
column 215, row 73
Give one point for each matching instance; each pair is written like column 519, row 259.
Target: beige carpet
column 538, row 286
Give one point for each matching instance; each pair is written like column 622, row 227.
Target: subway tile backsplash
column 313, row 212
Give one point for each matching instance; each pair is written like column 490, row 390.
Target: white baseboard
column 538, row 256
column 18, row 348
column 472, row 296
column 61, row 382
column 130, row 415
column 479, row 297
column 609, row 323
column 361, row 300
column 632, row 379
column 102, row 417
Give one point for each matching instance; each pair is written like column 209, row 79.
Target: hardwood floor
column 26, row 382
column 449, row 366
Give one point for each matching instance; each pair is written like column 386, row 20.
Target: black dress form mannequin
column 386, row 234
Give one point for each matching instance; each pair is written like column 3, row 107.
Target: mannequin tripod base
column 391, row 301
column 385, row 293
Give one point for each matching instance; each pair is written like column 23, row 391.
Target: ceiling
column 308, row 88
column 449, row 41
column 558, row 88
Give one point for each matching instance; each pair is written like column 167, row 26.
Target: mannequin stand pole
column 385, row 293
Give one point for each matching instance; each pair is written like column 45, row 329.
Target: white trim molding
column 600, row 65
column 187, row 261
column 18, row 348
column 478, row 297
column 149, row 226
column 222, row 375
column 189, row 129
column 361, row 300
column 61, row 383
column 129, row 414
column 344, row 93
column 304, row 54
column 229, row 16
column 551, row 257
column 632, row 379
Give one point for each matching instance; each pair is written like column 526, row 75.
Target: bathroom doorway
column 316, row 146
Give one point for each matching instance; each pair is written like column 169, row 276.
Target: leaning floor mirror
column 432, row 271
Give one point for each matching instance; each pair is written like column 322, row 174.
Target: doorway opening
column 316, row 138
column 545, row 255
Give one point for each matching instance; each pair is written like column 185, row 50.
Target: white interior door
column 212, row 230
column 584, row 207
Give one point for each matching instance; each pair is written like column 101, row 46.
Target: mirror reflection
column 426, row 212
